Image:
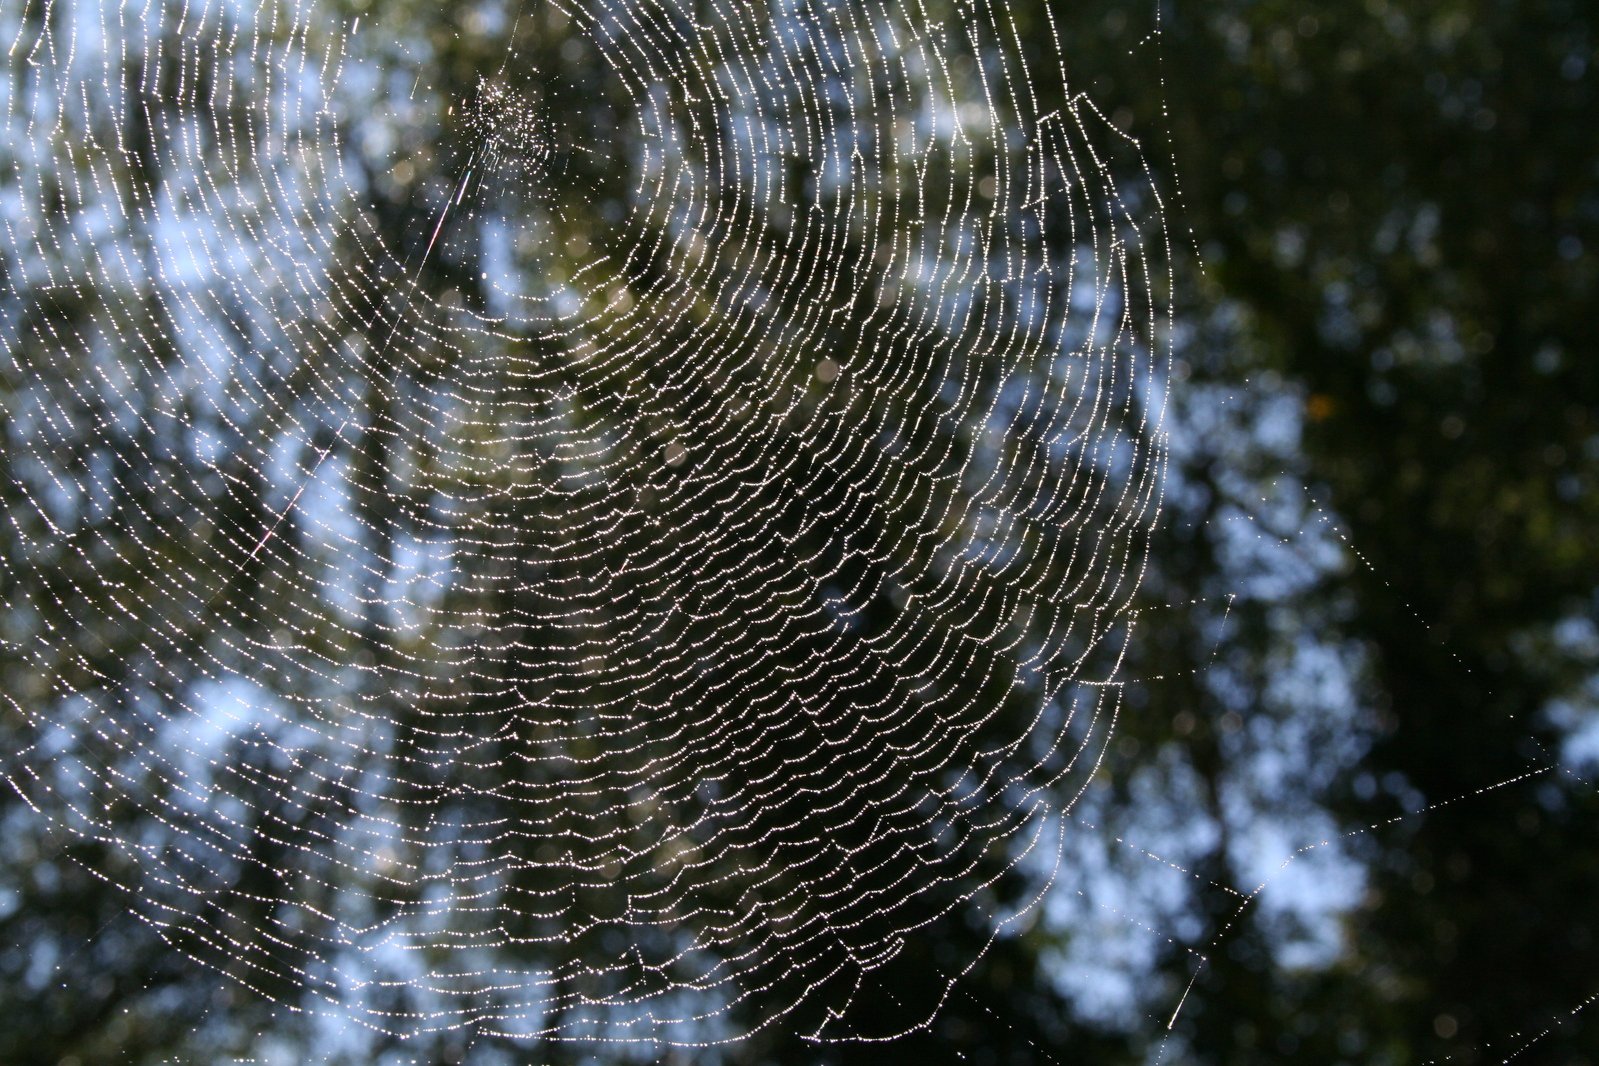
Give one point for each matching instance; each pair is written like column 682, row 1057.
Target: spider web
column 612, row 523
column 601, row 523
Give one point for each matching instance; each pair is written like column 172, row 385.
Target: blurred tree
column 1397, row 209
